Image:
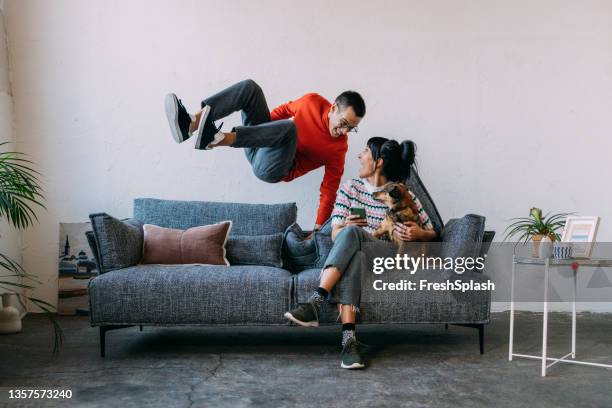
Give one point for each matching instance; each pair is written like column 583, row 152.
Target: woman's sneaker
column 351, row 356
column 178, row 118
column 307, row 314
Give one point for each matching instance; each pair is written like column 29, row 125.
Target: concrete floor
column 409, row 366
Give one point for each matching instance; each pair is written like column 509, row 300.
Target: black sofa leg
column 140, row 327
column 479, row 326
column 102, row 341
column 103, row 330
column 481, row 337
column 445, row 326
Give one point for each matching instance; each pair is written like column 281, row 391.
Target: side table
column 547, row 263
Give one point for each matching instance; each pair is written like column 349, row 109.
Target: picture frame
column 76, row 267
column 581, row 232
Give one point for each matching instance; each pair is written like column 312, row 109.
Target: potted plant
column 19, row 193
column 536, row 227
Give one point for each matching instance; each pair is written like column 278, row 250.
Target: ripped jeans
column 347, row 256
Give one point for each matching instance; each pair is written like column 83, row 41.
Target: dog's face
column 394, row 195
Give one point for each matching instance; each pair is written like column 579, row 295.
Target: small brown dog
column 402, row 208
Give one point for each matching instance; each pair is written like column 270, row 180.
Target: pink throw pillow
column 198, row 245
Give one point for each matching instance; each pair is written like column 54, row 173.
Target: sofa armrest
column 91, row 240
column 486, row 242
column 463, row 237
column 118, row 243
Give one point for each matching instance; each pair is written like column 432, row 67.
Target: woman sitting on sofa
column 382, row 161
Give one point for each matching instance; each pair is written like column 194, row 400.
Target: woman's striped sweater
column 358, row 193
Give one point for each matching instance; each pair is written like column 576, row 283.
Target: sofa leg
column 141, row 327
column 445, row 326
column 480, row 327
column 103, row 330
column 102, row 341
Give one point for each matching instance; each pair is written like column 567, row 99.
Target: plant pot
column 537, row 239
column 10, row 321
column 546, row 248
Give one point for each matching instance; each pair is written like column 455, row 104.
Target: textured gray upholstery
column 408, row 306
column 255, row 250
column 462, row 237
column 191, row 294
column 248, row 219
column 252, row 294
column 302, row 251
column 118, row 242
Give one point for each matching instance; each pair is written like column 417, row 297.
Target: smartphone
column 360, row 211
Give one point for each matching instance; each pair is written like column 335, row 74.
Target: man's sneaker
column 207, row 132
column 351, row 357
column 178, row 118
column 306, row 314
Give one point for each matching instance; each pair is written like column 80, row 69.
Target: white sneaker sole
column 352, row 366
column 205, row 112
column 301, row 323
column 171, row 105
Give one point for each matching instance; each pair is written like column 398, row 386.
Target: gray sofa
column 127, row 293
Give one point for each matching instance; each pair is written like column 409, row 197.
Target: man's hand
column 355, row 220
column 408, row 231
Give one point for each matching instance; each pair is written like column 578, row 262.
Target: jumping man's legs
column 269, row 146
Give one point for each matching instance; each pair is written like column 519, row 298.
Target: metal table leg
column 545, row 322
column 511, row 340
column 575, row 270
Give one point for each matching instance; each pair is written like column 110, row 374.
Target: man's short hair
column 354, row 100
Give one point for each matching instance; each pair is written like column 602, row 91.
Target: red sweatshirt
column 315, row 146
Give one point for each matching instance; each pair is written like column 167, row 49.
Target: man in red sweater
column 282, row 144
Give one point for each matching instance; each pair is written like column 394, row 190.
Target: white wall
column 509, row 102
column 9, row 237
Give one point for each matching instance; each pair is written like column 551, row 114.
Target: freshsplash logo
column 412, row 264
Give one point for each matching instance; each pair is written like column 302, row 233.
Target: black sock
column 322, row 292
column 348, row 326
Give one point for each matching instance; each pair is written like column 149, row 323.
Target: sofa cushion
column 204, row 244
column 255, row 250
column 301, row 253
column 407, row 306
column 191, row 294
column 248, row 219
column 118, row 242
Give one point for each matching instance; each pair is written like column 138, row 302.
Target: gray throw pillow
column 255, row 250
column 119, row 242
column 462, row 237
column 301, row 252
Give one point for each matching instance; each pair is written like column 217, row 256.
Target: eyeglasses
column 344, row 125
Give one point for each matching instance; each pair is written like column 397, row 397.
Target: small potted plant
column 536, row 227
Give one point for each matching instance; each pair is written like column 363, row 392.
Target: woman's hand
column 355, row 220
column 350, row 220
column 408, row 231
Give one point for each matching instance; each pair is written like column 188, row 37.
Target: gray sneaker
column 351, row 357
column 306, row 314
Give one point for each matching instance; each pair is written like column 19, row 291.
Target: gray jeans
column 269, row 146
column 349, row 255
